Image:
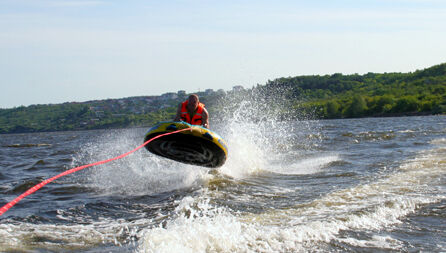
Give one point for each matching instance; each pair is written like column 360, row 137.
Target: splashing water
column 257, row 134
column 141, row 174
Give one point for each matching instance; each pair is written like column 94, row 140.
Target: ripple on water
column 27, row 145
column 2, row 177
column 24, row 186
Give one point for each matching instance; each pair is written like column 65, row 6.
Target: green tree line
column 346, row 96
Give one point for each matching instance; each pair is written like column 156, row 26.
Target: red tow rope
column 40, row 185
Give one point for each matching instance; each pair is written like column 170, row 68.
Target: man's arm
column 205, row 119
column 178, row 116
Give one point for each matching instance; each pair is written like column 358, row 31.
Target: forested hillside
column 318, row 97
column 345, row 96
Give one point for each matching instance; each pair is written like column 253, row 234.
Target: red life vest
column 197, row 119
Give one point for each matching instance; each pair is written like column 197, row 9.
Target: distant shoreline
column 335, row 96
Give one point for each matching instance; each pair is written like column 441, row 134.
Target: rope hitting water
column 40, row 185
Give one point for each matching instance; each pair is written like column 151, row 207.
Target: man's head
column 193, row 101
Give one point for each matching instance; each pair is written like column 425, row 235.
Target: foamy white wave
column 406, row 131
column 218, row 230
column 305, row 166
column 440, row 141
column 70, row 237
column 201, row 227
column 381, row 242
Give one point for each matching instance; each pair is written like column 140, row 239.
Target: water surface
column 374, row 184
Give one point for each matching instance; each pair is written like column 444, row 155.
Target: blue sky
column 55, row 51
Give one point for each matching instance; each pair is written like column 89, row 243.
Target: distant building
column 169, row 95
column 99, row 113
column 181, row 93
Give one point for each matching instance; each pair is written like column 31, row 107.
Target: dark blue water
column 374, row 184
